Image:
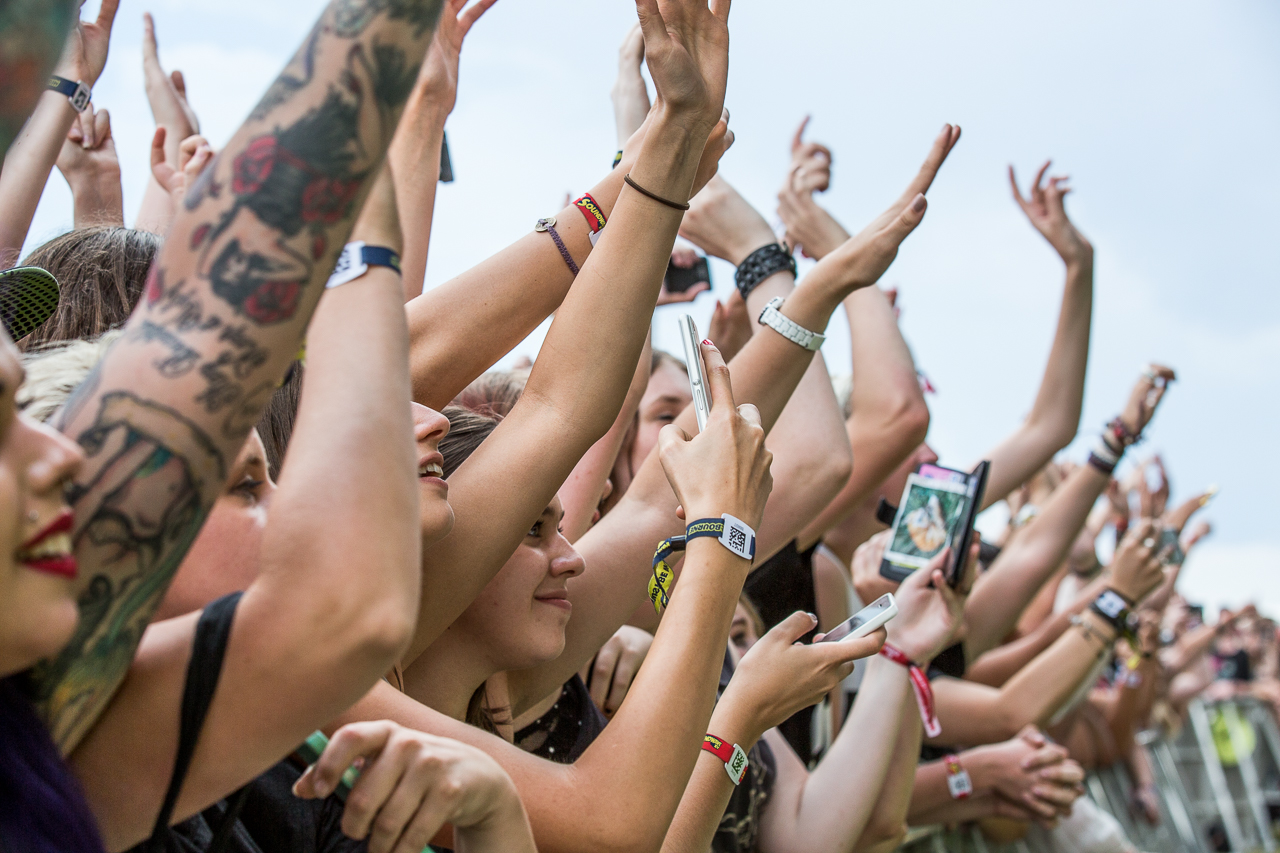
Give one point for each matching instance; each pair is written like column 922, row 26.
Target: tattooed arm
column 31, row 36
column 223, row 313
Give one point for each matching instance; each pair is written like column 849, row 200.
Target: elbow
column 911, row 420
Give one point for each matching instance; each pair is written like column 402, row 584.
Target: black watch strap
column 77, row 93
column 761, row 264
column 1112, row 607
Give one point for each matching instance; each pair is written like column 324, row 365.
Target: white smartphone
column 866, row 620
column 697, row 370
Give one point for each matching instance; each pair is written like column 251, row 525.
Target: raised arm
column 509, row 294
column 311, row 635
column 93, row 173
column 1055, row 415
column 34, row 152
column 222, row 316
column 976, row 714
column 415, row 151
column 620, row 548
column 589, row 357
column 1026, row 563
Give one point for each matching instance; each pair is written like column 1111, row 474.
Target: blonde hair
column 54, row 372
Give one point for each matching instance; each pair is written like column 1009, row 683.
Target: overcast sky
column 1166, row 115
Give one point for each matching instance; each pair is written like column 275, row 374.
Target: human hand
column 930, row 613
column 167, row 94
column 810, row 228
column 1044, row 207
column 810, row 164
column 615, row 667
column 1136, row 569
column 85, row 53
column 1200, row 531
column 1160, row 495
column 629, row 95
column 860, row 261
column 438, row 78
column 730, row 327
column 81, row 162
column 686, row 46
column 725, row 468
column 1178, row 517
column 722, row 223
column 194, row 156
column 685, row 259
column 1145, row 398
column 410, row 785
column 780, row 676
column 1030, row 772
column 867, row 580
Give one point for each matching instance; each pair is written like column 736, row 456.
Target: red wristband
column 959, row 785
column 920, row 685
column 735, row 760
column 591, row 211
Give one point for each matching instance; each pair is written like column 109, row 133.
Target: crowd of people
column 292, row 568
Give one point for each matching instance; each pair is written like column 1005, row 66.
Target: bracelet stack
column 1111, row 445
column 761, row 264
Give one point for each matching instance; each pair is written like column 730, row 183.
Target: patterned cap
column 28, row 297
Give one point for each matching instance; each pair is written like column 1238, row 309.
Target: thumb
column 910, row 217
column 671, row 434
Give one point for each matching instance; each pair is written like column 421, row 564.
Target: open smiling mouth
column 49, row 551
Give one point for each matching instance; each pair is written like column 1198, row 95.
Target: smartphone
column 697, row 370
column 1169, row 543
column 446, row 164
column 937, row 511
column 680, row 279
column 866, row 620
column 309, row 752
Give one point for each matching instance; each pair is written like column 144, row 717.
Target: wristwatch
column 797, row 334
column 355, row 260
column 77, row 93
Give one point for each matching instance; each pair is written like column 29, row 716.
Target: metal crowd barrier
column 1218, row 782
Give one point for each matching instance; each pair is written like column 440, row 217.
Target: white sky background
column 1166, row 115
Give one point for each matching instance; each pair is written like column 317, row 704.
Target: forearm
column 506, row 830
column 1024, row 566
column 1003, row 662
column 156, row 211
column 26, row 170
column 582, row 493
column 503, row 300
column 1055, row 416
column 672, row 697
column 1189, row 648
column 1042, row 687
column 889, row 815
column 97, row 199
column 1134, row 702
column 837, row 806
column 890, row 418
column 415, row 161
column 707, row 795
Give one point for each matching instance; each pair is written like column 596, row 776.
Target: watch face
column 80, row 100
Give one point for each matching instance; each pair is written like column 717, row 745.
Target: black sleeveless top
column 778, row 588
column 262, row 817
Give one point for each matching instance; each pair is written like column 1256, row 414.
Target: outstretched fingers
column 652, row 26
column 473, row 14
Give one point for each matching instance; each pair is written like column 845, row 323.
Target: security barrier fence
column 1219, row 790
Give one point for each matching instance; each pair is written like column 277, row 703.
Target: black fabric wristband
column 761, row 264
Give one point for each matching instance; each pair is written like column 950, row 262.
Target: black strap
column 207, row 650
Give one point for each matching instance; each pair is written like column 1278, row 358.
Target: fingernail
column 918, row 204
column 707, row 343
column 812, row 617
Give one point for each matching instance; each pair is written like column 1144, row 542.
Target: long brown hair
column 101, row 272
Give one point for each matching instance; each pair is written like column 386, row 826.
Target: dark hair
column 275, row 427
column 41, row 804
column 101, row 272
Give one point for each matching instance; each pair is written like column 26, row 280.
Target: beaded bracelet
column 761, row 264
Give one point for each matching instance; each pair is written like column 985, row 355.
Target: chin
column 436, row 518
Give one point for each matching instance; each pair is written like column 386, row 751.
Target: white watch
column 797, row 334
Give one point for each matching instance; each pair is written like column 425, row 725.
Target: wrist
column 750, row 241
column 737, row 719
column 982, row 767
